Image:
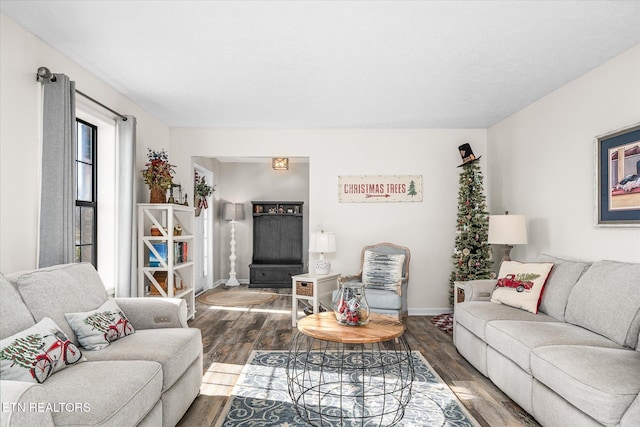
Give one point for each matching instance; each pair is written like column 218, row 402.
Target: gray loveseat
column 149, row 378
column 576, row 362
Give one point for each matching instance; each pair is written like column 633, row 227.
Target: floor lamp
column 233, row 212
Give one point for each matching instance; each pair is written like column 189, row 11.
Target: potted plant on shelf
column 158, row 175
column 202, row 190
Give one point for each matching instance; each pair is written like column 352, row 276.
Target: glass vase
column 350, row 306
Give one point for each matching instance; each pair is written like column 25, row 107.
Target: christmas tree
column 101, row 320
column 471, row 256
column 412, row 189
column 23, row 351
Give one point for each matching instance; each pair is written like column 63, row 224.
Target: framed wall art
column 379, row 188
column 618, row 178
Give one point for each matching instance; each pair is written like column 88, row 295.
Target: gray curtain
column 57, row 201
column 126, row 281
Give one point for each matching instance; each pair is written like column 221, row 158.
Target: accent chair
column 384, row 272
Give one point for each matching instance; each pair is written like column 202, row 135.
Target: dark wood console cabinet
column 277, row 243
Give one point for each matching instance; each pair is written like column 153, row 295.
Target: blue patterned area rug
column 260, row 397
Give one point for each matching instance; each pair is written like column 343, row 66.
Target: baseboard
column 429, row 311
column 223, row 282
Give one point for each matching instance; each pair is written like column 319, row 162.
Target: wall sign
column 379, row 188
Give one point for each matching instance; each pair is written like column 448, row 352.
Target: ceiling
column 333, row 64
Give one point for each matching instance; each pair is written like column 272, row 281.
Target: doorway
column 203, row 236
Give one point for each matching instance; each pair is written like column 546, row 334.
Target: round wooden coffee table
column 350, row 375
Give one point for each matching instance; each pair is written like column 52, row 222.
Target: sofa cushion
column 606, row 300
column 382, row 270
column 95, row 329
column 475, row 315
column 14, row 313
column 108, row 393
column 521, row 285
column 377, row 298
column 388, row 300
column 599, row 381
column 632, row 415
column 36, row 353
column 174, row 348
column 517, row 339
column 563, row 277
column 67, row 288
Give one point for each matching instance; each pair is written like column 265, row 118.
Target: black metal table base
column 336, row 384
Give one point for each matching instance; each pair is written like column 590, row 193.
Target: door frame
column 204, row 283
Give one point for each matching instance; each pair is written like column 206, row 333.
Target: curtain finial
column 44, row 73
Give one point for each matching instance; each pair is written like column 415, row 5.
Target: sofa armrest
column 154, row 313
column 24, row 404
column 478, row 290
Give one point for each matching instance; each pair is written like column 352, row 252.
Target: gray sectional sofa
column 574, row 363
column 148, row 378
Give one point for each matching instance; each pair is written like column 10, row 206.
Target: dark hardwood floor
column 230, row 334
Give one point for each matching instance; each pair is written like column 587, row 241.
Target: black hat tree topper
column 467, row 154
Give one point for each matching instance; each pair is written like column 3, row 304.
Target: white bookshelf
column 167, row 257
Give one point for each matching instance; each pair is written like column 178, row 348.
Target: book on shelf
column 180, row 254
column 154, row 261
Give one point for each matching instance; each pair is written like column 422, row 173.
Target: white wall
column 21, row 53
column 541, row 163
column 427, row 228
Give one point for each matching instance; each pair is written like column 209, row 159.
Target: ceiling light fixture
column 280, row 163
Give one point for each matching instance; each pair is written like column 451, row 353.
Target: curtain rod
column 102, row 105
column 44, row 73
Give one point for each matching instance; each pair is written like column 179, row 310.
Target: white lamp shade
column 507, row 229
column 322, row 242
column 233, row 212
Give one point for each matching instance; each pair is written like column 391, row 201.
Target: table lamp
column 233, row 212
column 507, row 230
column 322, row 242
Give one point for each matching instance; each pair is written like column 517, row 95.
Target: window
column 86, row 210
